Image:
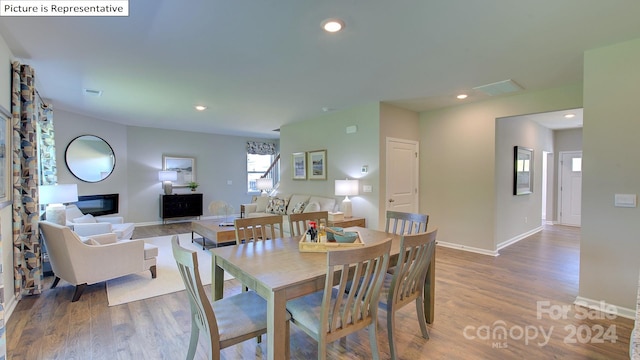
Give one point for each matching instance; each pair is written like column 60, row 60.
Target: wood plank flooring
column 476, row 297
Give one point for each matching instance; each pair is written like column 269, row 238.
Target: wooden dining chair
column 406, row 223
column 226, row 322
column 258, row 228
column 334, row 313
column 299, row 223
column 407, row 282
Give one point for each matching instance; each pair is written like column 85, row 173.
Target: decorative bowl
column 348, row 237
column 330, row 234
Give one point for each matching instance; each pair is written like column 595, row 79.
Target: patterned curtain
column 48, row 172
column 261, row 148
column 26, row 243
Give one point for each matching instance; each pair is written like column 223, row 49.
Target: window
column 257, row 165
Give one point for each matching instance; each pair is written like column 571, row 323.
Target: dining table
column 278, row 271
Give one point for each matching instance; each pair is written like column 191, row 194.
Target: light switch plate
column 625, row 200
column 367, row 188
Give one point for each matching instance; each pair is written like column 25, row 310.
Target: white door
column 570, row 187
column 402, row 175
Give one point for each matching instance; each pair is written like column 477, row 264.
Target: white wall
column 346, row 153
column 610, row 248
column 219, row 159
column 458, row 163
column 517, row 215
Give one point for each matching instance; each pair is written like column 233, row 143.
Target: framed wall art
column 185, row 166
column 5, row 158
column 522, row 170
column 317, row 164
column 299, row 165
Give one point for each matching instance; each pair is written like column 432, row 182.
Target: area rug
column 141, row 286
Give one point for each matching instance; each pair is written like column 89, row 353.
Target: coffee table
column 212, row 231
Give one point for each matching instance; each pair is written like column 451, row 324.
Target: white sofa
column 86, row 225
column 286, row 204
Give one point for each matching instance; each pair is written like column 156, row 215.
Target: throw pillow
column 261, row 203
column 299, row 207
column 85, row 219
column 277, row 206
column 91, row 241
column 312, row 207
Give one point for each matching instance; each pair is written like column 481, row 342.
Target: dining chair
column 407, row 282
column 225, row 322
column 258, row 228
column 406, row 223
column 333, row 313
column 298, row 223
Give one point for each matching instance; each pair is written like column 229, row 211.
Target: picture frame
column 522, row 170
column 5, row 158
column 185, row 166
column 299, row 165
column 317, row 165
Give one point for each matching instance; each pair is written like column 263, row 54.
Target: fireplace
column 98, row 204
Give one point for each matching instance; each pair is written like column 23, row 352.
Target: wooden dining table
column 278, row 272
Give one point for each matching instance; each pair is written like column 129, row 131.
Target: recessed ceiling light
column 462, row 96
column 332, row 25
column 570, row 116
column 201, row 107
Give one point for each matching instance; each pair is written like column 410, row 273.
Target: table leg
column 276, row 326
column 217, row 280
column 430, row 290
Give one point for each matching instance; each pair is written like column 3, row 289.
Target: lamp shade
column 346, row 187
column 167, row 175
column 58, row 194
column 264, row 184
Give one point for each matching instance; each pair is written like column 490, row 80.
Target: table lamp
column 264, row 184
column 167, row 176
column 346, row 188
column 54, row 196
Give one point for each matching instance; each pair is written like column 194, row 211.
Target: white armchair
column 87, row 225
column 99, row 258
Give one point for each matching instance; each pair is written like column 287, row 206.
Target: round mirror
column 90, row 158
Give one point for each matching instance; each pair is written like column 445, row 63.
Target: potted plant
column 193, row 185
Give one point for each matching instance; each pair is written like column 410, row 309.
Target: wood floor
column 477, row 296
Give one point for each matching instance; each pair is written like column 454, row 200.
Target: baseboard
column 600, row 305
column 9, row 305
column 468, row 248
column 514, row 240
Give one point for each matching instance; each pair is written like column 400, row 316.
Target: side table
column 347, row 222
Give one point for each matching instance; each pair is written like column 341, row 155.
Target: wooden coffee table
column 211, row 231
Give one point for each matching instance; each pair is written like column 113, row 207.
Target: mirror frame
column 522, row 170
column 66, row 158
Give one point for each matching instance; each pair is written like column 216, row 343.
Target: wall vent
column 499, row 88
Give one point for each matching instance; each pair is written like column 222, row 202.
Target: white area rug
column 141, row 286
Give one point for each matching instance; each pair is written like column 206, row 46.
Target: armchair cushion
column 100, row 224
column 103, row 239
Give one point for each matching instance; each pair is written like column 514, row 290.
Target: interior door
column 402, row 175
column 570, row 187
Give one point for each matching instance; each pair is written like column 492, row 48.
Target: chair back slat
column 258, row 228
column 346, row 311
column 406, row 223
column 299, row 223
column 416, row 252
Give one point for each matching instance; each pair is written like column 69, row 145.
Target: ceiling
column 258, row 65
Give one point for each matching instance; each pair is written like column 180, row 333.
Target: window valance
column 261, row 148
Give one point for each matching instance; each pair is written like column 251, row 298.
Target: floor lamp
column 55, row 196
column 346, row 188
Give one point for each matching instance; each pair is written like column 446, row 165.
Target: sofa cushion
column 261, row 203
column 312, row 207
column 326, row 204
column 85, row 219
column 296, row 199
column 297, row 208
column 277, row 206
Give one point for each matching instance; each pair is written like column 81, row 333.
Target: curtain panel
column 261, row 148
column 26, row 242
